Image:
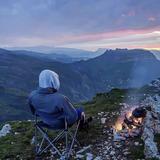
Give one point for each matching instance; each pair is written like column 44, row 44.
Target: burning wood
column 130, row 124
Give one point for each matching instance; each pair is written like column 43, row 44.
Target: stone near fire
column 151, row 125
column 150, row 149
column 103, row 120
column 118, row 137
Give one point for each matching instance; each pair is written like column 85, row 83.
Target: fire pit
column 129, row 124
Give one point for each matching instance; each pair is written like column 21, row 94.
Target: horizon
column 81, row 25
column 35, row 48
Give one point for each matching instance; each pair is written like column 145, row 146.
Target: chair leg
column 40, row 147
column 53, row 141
column 66, row 140
column 74, row 137
column 64, row 134
column 46, row 137
column 66, row 137
column 36, row 140
column 70, row 134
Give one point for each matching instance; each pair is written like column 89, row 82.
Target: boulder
column 151, row 126
column 5, row 130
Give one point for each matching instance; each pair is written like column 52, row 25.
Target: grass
column 18, row 146
column 105, row 102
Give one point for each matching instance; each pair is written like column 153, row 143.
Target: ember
column 129, row 123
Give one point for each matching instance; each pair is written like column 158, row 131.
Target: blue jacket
column 52, row 107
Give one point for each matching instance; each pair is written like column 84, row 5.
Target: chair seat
column 44, row 125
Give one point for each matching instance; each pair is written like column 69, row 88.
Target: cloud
column 63, row 21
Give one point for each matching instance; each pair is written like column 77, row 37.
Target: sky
column 83, row 24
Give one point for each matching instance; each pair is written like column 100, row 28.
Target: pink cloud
column 131, row 13
column 104, row 35
column 152, row 18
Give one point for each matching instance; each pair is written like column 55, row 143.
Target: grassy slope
column 13, row 145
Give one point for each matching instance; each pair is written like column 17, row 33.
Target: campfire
column 129, row 124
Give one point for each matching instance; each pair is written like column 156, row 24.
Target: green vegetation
column 106, row 102
column 17, row 146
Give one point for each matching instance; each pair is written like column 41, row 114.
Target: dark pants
column 79, row 112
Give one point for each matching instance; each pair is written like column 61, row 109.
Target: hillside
column 17, row 144
column 22, row 131
column 80, row 81
column 121, row 68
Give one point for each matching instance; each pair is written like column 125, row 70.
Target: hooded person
column 51, row 106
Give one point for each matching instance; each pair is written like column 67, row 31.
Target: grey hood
column 49, row 79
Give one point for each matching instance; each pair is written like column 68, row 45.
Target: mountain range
column 80, row 81
column 65, row 55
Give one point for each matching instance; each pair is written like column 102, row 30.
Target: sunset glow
column 79, row 24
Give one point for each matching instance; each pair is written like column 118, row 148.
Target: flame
column 118, row 124
column 128, row 113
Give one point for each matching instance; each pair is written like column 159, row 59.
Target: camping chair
column 65, row 133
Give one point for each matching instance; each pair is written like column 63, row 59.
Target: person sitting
column 51, row 106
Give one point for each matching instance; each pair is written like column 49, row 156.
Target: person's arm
column 70, row 112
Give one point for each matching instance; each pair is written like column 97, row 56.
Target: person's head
column 49, row 79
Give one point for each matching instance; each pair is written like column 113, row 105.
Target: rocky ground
column 97, row 144
column 100, row 146
column 108, row 149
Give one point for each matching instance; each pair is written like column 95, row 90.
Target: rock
column 126, row 153
column 79, row 156
column 150, row 127
column 98, row 158
column 136, row 143
column 117, row 137
column 103, row 120
column 89, row 156
column 5, row 130
column 16, row 133
column 118, row 145
column 150, row 149
column 112, row 153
